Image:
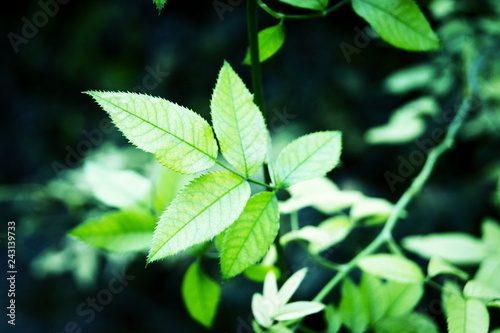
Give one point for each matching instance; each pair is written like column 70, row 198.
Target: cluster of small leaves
column 214, row 203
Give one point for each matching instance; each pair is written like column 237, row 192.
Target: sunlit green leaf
column 353, row 307
column 258, row 272
column 411, row 323
column 201, row 295
column 116, row 188
column 488, row 272
column 248, row 239
column 118, row 231
column 326, row 234
column 370, row 211
column 320, row 193
column 477, row 289
column 464, row 315
column 491, row 234
column 165, row 186
column 297, row 310
column 391, row 267
column 308, row 157
column 333, row 319
column 308, row 4
column 203, row 209
column 399, row 22
column 439, row 266
column 374, row 291
column 179, row 138
column 270, row 41
column 456, row 248
column 402, row 297
column 238, row 123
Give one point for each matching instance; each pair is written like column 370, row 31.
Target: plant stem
column 323, row 13
column 253, row 42
column 414, row 189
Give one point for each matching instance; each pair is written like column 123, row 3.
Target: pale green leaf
column 402, row 297
column 477, row 289
column 249, row 238
column 165, row 186
column 116, row 188
column 399, row 22
column 179, row 138
column 120, row 231
column 391, row 267
column 320, row 193
column 297, row 310
column 262, row 310
column 290, row 286
column 489, row 271
column 353, row 307
column 411, row 323
column 270, row 41
column 238, row 123
column 203, row 209
column 258, row 272
column 201, row 295
column 280, row 328
column 491, row 234
column 456, row 248
column 308, row 157
column 464, row 315
column 370, row 211
column 411, row 78
column 326, row 234
column 319, row 5
column 439, row 266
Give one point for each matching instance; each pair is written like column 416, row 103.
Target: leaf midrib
column 198, row 214
column 156, row 126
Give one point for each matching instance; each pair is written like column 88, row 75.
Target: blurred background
column 332, row 73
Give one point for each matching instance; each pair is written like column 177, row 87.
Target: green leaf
column 402, row 297
column 203, row 209
column 353, row 307
column 179, row 138
column 201, row 295
column 238, row 123
column 166, row 185
column 248, row 239
column 391, row 267
column 456, row 248
column 308, row 157
column 374, row 291
column 411, row 323
column 118, row 231
column 333, row 319
column 399, row 22
column 270, row 41
column 319, row 5
column 477, row 289
column 488, row 272
column 462, row 315
column 258, row 272
column 116, row 188
column 326, row 234
column 491, row 234
column 439, row 266
column 370, row 211
column 160, row 4
column 297, row 310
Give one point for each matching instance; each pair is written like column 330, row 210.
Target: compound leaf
column 118, row 231
column 391, row 267
column 308, row 4
column 203, row 209
column 201, row 295
column 238, row 123
column 270, row 41
column 248, row 239
column 308, row 157
column 179, row 138
column 399, row 22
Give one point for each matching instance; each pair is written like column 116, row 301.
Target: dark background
column 115, row 45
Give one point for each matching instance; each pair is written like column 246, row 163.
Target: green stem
column 253, row 41
column 393, row 246
column 414, row 189
column 323, row 13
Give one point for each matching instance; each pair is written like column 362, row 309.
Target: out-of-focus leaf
column 370, row 211
column 353, row 307
column 270, row 41
column 308, row 4
column 391, row 267
column 411, row 323
column 439, row 266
